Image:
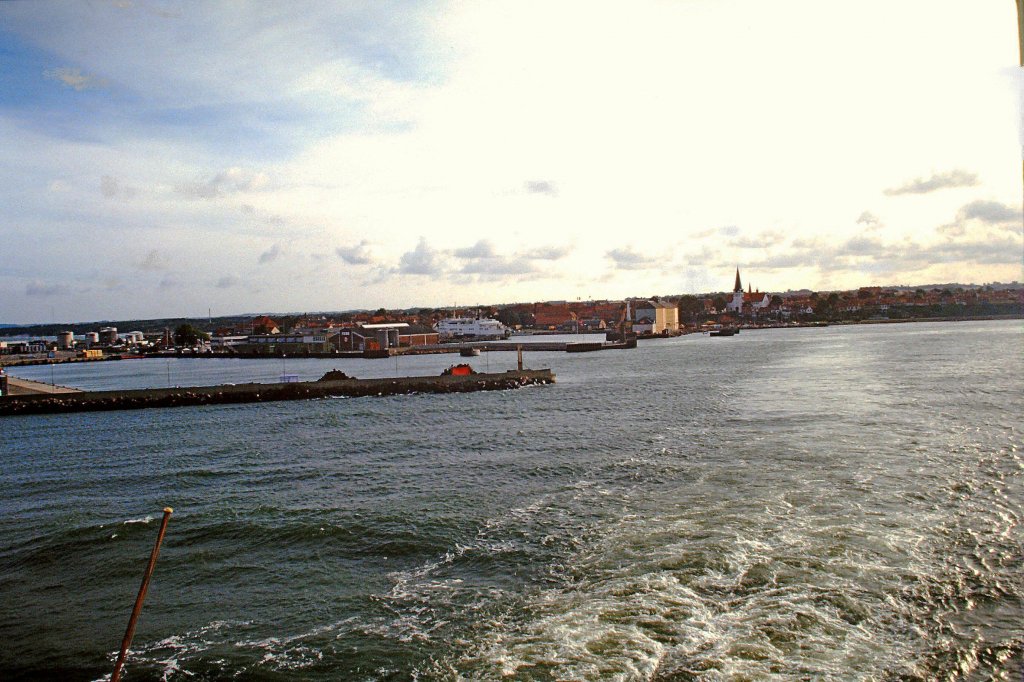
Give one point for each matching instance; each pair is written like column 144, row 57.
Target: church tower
column 736, row 305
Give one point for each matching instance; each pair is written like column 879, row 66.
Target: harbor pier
column 326, row 387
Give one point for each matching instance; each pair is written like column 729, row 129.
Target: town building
column 655, row 317
column 385, row 335
column 286, row 344
column 227, row 341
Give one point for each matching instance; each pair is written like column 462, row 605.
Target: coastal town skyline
column 947, row 292
column 167, row 159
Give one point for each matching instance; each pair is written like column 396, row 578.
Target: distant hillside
column 146, row 326
column 122, row 326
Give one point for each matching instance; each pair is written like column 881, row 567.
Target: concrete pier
column 88, row 401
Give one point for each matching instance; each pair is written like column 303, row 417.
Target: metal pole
column 130, row 632
column 1020, row 29
column 1020, row 44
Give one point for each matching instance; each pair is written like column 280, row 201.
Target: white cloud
column 548, row 252
column 498, row 267
column 153, row 261
column 482, row 249
column 111, row 187
column 271, row 254
column 230, row 181
column 355, row 255
column 541, row 187
column 869, row 220
column 991, row 212
column 423, row 260
column 954, row 178
column 46, row 289
column 628, row 259
column 758, row 241
column 75, row 79
column 108, row 186
column 987, row 214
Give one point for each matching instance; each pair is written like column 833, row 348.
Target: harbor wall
column 88, row 401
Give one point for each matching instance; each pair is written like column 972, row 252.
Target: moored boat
column 471, row 328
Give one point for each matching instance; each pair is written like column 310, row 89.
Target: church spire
column 739, row 286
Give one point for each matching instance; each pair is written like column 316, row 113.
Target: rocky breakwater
column 331, row 385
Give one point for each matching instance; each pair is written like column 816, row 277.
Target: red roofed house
column 265, row 325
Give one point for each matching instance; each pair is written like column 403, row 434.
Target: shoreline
column 508, row 345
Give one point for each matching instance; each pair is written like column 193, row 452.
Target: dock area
column 90, row 401
column 14, row 386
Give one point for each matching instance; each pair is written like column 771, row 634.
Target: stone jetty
column 329, row 386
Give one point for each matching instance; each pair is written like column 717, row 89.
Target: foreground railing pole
column 130, row 632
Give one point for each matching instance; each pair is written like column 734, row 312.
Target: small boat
column 724, row 331
column 469, row 352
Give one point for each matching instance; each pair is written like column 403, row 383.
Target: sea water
column 840, row 504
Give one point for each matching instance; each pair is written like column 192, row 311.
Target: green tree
column 286, row 324
column 689, row 306
column 187, row 335
column 509, row 317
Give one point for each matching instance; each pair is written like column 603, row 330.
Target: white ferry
column 471, row 328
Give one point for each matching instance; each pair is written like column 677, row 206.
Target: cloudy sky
column 166, row 158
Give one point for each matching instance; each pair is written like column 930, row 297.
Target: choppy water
column 840, row 503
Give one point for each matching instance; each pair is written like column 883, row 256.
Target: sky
column 166, row 159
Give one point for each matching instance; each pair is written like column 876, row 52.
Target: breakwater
column 89, row 401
